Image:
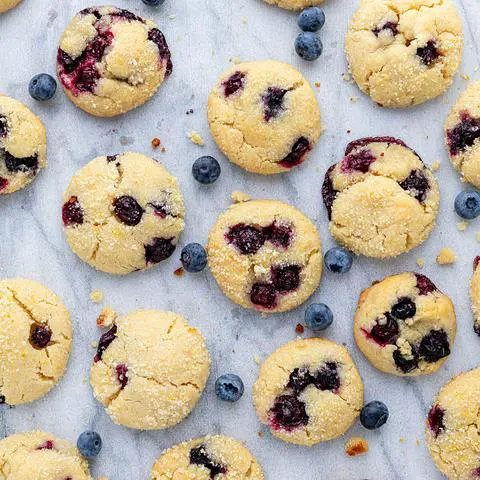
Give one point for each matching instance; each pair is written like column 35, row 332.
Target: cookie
column 35, row 340
column 23, row 145
column 6, row 5
column 462, row 134
column 110, row 60
column 404, row 52
column 265, row 254
column 150, row 369
column 123, row 213
column 40, row 456
column 475, row 295
column 308, row 391
column 451, row 427
column 207, row 458
column 294, row 4
column 264, row 116
column 381, row 199
column 404, row 325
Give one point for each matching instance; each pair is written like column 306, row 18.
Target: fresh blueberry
column 42, row 87
column 193, row 257
column 89, row 444
column 308, row 46
column 153, row 3
column 374, row 415
column 338, row 260
column 311, row 19
column 206, row 170
column 229, row 387
column 467, row 204
column 318, row 316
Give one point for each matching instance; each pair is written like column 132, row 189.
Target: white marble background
column 204, row 35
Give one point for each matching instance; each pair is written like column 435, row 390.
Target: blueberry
column 311, row 19
column 89, row 444
column 374, row 415
column 467, row 204
column 193, row 257
column 42, row 87
column 318, row 316
column 308, row 46
column 206, row 170
column 338, row 260
column 153, row 3
column 229, row 387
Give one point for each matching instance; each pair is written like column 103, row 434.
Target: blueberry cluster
column 308, row 45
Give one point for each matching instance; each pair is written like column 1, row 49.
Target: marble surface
column 205, row 35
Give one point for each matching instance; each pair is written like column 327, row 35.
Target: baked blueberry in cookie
column 381, row 199
column 23, row 145
column 111, row 60
column 265, row 255
column 264, row 116
column 404, row 325
column 123, row 213
column 308, row 391
column 404, row 53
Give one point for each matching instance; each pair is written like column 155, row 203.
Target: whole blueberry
column 153, row 3
column 338, row 260
column 42, row 87
column 311, row 19
column 206, row 170
column 318, row 316
column 374, row 415
column 308, row 46
column 193, row 257
column 89, row 444
column 467, row 204
column 229, row 387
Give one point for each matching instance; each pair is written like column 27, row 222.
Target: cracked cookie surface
column 23, row 145
column 452, row 427
column 404, row 52
column 110, row 60
column 264, row 116
column 6, row 5
column 308, row 391
column 404, row 325
column 294, row 4
column 123, row 213
column 265, row 254
column 382, row 200
column 40, row 456
column 211, row 458
column 150, row 369
column 35, row 340
column 462, row 134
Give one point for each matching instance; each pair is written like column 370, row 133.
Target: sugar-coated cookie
column 294, row 4
column 6, row 5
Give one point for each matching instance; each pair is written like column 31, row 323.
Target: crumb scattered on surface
column 462, row 226
column 239, row 197
column 96, row 296
column 256, row 359
column 477, row 236
column 156, row 142
column 347, row 78
column 235, row 60
column 94, row 345
column 179, row 272
column 465, row 77
column 106, row 318
column 356, row 446
column 317, row 84
column 417, row 442
column 299, row 328
column 421, row 262
column 354, row 99
column 436, row 166
column 171, row 17
column 446, row 256
column 196, row 138
column 401, row 440
column 260, row 434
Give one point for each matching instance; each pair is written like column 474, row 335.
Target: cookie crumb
column 420, row 262
column 465, row 77
column 354, row 99
column 317, row 84
column 356, row 446
column 256, row 359
column 462, row 226
column 347, row 78
column 106, row 318
column 477, row 236
column 401, row 440
column 417, row 442
column 299, row 328
column 436, row 166
column 235, row 60
column 260, row 434
column 239, row 197
column 96, row 296
column 156, row 142
column 446, row 256
column 196, row 138
column 170, row 17
column 179, row 272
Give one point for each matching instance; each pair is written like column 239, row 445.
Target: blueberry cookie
column 308, row 391
column 150, row 369
column 451, row 427
column 462, row 134
column 475, row 295
column 40, row 456
column 110, row 60
column 294, row 4
column 215, row 457
column 264, row 116
column 6, row 5
column 123, row 213
column 266, row 255
column 381, row 199
column 35, row 340
column 403, row 53
column 404, row 325
column 23, row 145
